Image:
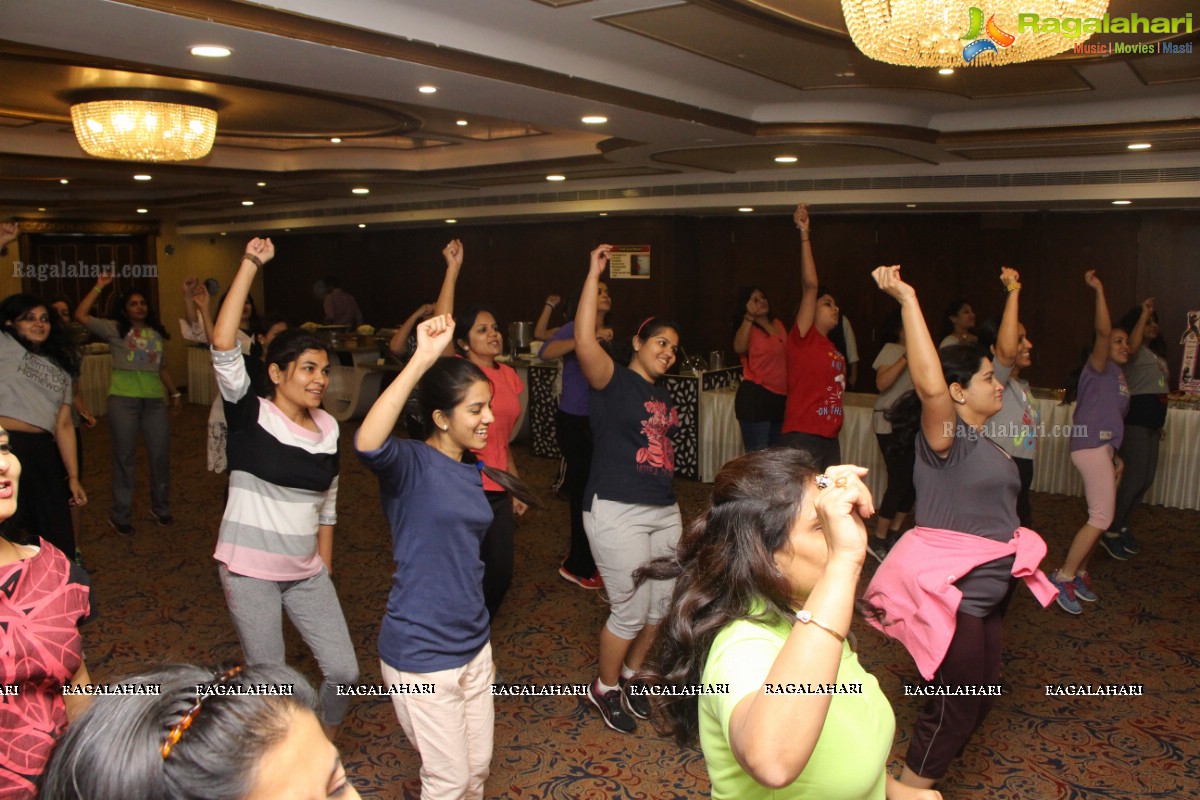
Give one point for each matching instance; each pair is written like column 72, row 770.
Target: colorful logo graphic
column 979, row 46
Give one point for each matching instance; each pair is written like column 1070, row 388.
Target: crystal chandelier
column 144, row 124
column 960, row 33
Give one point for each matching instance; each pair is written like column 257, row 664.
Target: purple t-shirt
column 1100, row 408
column 574, row 397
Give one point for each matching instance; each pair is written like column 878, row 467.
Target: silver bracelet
column 805, row 616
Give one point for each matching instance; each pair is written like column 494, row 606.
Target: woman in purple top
column 1097, row 428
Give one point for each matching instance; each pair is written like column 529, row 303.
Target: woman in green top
column 135, row 399
column 765, row 582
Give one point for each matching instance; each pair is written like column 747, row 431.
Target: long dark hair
column 464, row 321
column 739, row 313
column 952, row 309
column 122, row 317
column 724, row 571
column 59, row 346
column 114, row 749
column 1157, row 345
column 443, row 388
column 286, row 348
column 959, row 363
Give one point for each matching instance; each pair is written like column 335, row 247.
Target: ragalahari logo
column 986, row 44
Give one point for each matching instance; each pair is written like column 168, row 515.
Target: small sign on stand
column 629, row 261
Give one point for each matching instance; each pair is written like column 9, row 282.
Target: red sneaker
column 593, row 582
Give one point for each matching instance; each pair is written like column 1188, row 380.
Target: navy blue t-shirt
column 435, row 617
column 633, row 457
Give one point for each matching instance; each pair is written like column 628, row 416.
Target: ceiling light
column 360, row 190
column 1121, row 202
column 247, row 202
column 142, row 177
column 41, row 209
column 945, row 71
column 451, row 221
column 144, row 124
column 143, row 211
column 224, row 233
column 336, row 140
column 362, row 224
column 910, row 205
column 210, row 51
column 745, row 209
column 594, row 119
column 427, row 89
column 604, row 213
column 556, row 177
column 786, row 159
column 1139, row 146
column 63, row 181
column 461, row 122
column 956, row 33
column 261, row 183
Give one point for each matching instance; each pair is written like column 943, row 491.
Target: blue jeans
column 127, row 416
column 761, row 435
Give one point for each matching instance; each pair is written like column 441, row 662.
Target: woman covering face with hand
column 765, row 582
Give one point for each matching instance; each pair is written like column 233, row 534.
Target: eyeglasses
column 177, row 732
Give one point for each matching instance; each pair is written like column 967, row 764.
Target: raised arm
column 453, row 253
column 1137, row 336
column 84, row 312
column 755, row 315
column 1103, row 324
column 808, row 273
column 258, row 252
column 432, row 335
column 189, row 305
column 1008, row 338
column 937, row 408
column 199, row 302
column 396, row 345
column 597, row 365
column 542, row 329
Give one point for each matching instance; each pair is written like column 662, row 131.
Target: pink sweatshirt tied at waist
column 914, row 589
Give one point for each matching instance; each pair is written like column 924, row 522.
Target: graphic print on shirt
column 43, row 373
column 659, row 453
column 1031, row 420
column 832, row 404
column 145, row 347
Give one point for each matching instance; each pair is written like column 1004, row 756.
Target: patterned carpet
column 159, row 601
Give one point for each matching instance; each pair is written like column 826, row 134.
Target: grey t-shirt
column 889, row 355
column 973, row 490
column 1146, row 373
column 34, row 387
column 1016, row 427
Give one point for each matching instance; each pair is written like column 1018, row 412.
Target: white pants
column 452, row 728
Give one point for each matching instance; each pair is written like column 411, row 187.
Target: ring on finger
column 841, row 482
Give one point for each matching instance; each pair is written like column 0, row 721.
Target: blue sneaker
column 1111, row 542
column 1083, row 588
column 1066, row 594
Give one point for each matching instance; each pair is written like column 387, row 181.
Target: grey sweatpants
column 312, row 604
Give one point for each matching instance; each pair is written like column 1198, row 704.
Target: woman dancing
column 760, row 343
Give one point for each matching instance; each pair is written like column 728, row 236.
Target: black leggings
column 900, row 494
column 574, row 435
column 496, row 552
column 44, row 499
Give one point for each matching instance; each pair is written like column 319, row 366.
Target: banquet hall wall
column 697, row 264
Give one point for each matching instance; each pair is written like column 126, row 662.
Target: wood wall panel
column 699, row 263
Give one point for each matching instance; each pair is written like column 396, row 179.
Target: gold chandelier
column 961, row 33
column 144, row 124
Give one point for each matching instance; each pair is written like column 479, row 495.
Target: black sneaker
column 635, row 702
column 1113, row 546
column 124, row 530
column 878, row 548
column 163, row 521
column 610, row 708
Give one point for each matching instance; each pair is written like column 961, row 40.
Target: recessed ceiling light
column 362, row 224
column 336, row 140
column 287, row 230
column 427, row 89
column 945, row 71
column 451, row 221
column 143, row 211
column 41, row 209
column 847, row 74
column 910, row 205
column 604, row 213
column 594, row 119
column 786, row 159
column 1121, row 202
column 745, row 209
column 360, row 190
column 142, row 177
column 461, row 122
column 63, row 181
column 556, row 177
column 224, row 233
column 1139, row 146
column 210, row 51
column 247, row 202
column 261, row 183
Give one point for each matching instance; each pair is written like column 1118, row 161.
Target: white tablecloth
column 94, row 375
column 720, row 437
column 201, row 380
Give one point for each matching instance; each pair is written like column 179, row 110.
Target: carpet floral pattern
column 160, row 601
